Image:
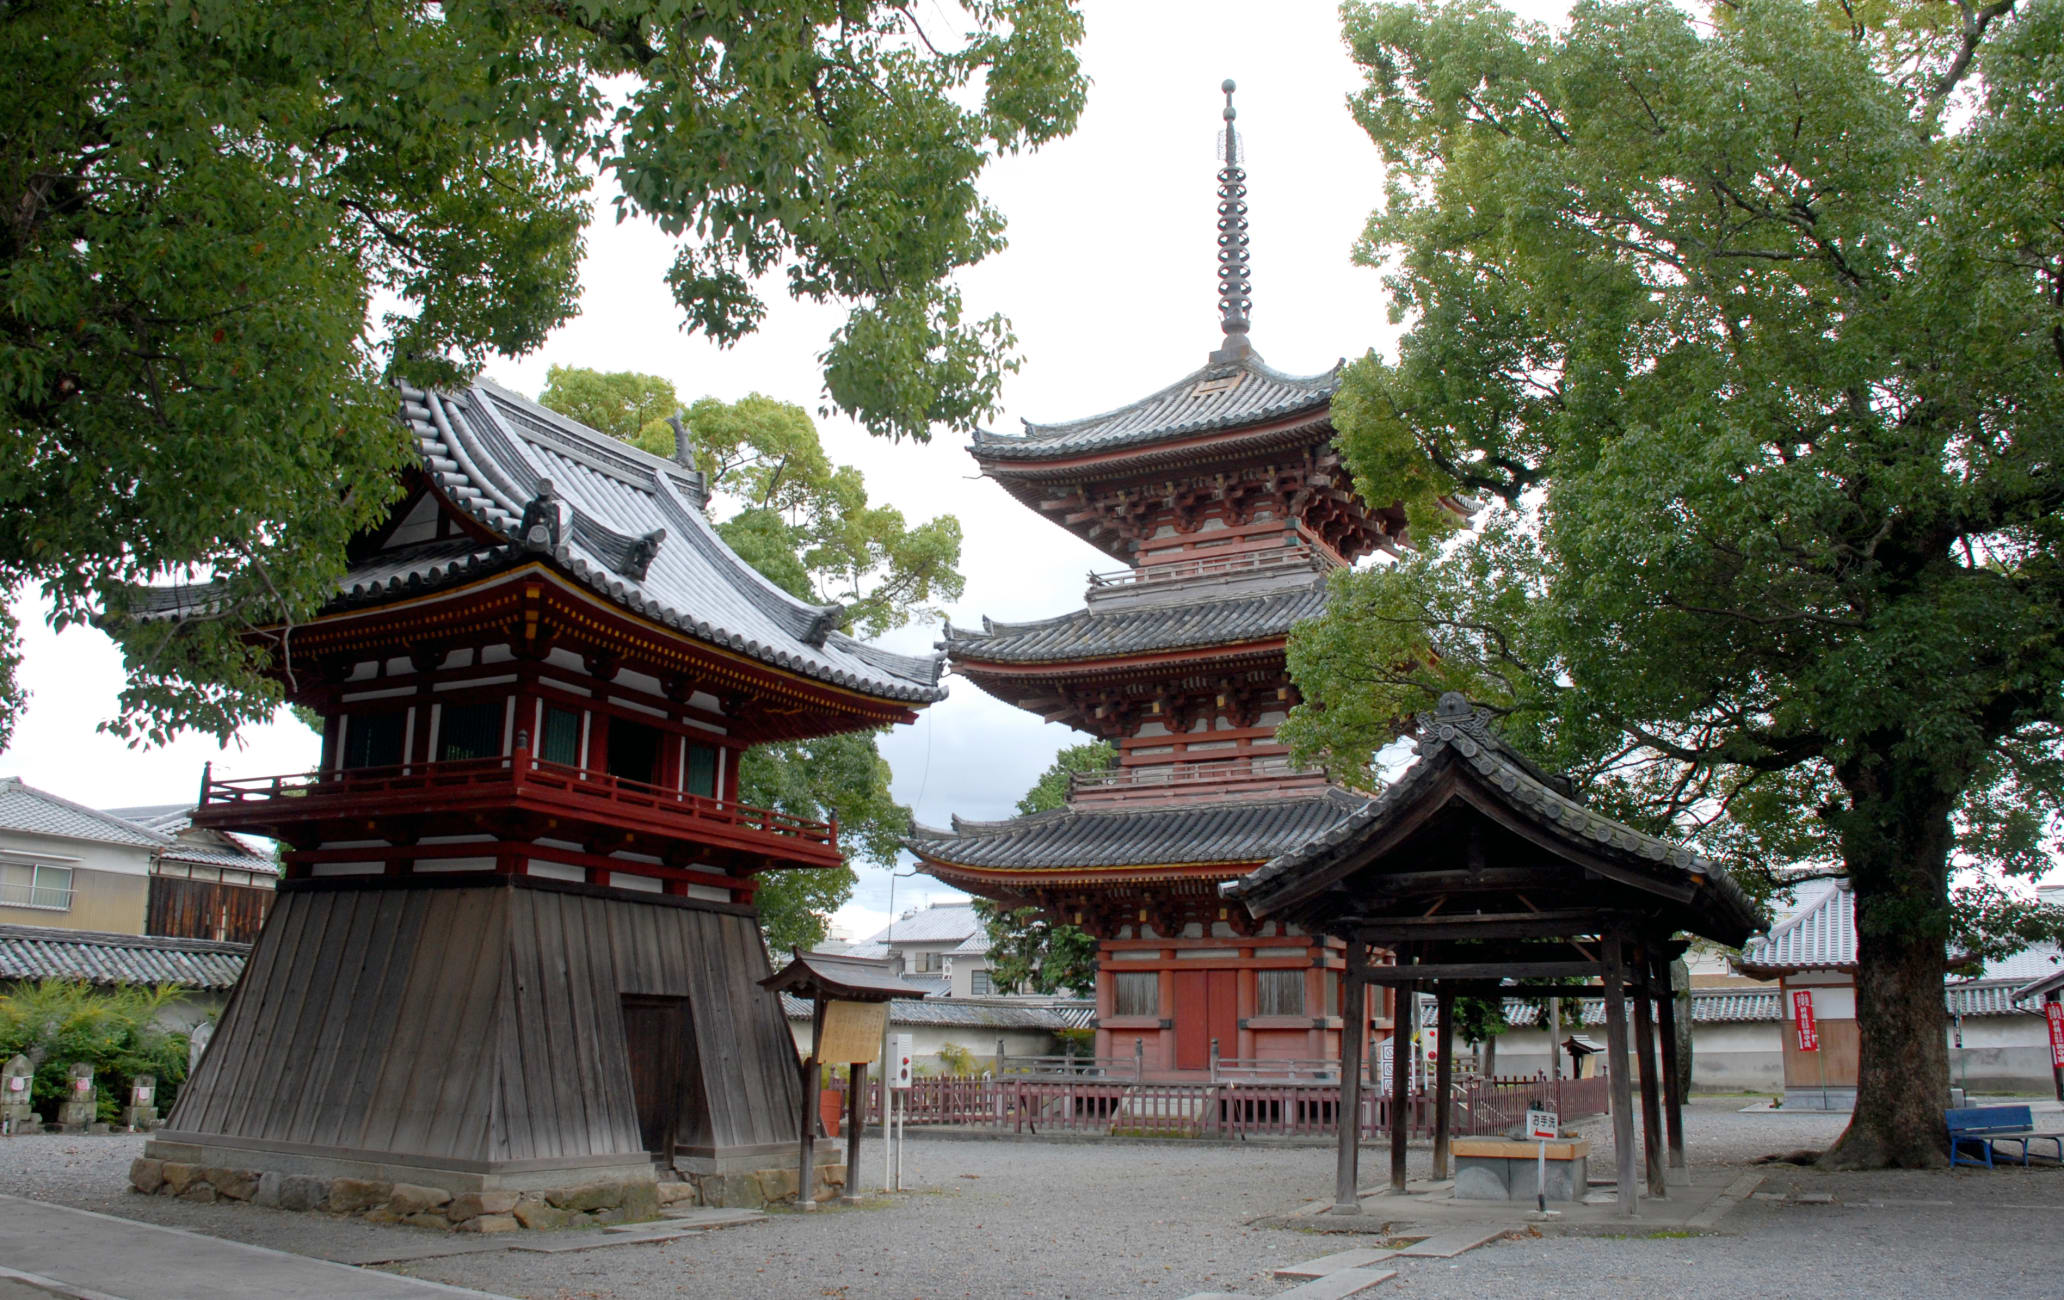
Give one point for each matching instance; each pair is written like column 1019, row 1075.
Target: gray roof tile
column 1261, row 395
column 25, row 808
column 31, row 952
column 965, row 1013
column 488, row 450
column 939, row 923
column 1100, row 630
column 1249, row 829
column 1819, row 936
column 1455, row 734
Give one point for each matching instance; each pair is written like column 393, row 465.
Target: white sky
column 1110, row 282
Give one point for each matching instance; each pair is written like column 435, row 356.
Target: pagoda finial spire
column 1235, row 288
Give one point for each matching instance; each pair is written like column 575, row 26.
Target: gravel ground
column 1160, row 1220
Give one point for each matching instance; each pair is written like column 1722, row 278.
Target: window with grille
column 979, row 985
column 560, row 742
column 375, row 739
column 37, row 885
column 1136, row 993
column 701, row 775
column 469, row 731
column 927, row 962
column 1279, row 993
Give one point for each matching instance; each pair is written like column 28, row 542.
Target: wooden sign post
column 852, row 996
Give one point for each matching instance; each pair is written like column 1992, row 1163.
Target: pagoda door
column 1207, row 1006
column 656, row 1036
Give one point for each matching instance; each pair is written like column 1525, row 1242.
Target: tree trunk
column 1896, row 839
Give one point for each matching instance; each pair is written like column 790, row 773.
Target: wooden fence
column 1230, row 1108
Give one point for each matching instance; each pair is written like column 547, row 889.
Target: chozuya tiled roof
column 628, row 525
column 1201, row 402
column 1456, row 736
column 1819, row 936
column 1231, row 832
column 34, row 952
column 1100, row 631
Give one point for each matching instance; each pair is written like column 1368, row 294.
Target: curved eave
column 973, row 668
column 1021, row 878
column 1196, row 447
column 1777, row 970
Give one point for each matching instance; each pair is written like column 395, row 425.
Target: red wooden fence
column 1229, row 1109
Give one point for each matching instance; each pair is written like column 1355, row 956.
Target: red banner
column 1802, row 1013
column 2055, row 1012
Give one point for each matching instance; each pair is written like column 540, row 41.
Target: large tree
column 228, row 224
column 806, row 524
column 1029, row 949
column 1747, row 326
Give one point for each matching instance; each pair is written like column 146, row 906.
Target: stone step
column 1447, row 1245
column 700, row 1216
column 1335, row 1262
column 1336, row 1286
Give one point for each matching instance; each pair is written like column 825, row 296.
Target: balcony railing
column 1262, row 561
column 1215, row 771
column 518, row 775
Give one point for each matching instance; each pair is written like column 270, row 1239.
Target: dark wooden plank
column 398, row 930
column 344, row 1013
column 1622, row 1095
column 1482, row 970
column 465, row 1099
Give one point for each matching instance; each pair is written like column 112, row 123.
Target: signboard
column 20, row 1082
column 901, row 1048
column 853, row 1032
column 1545, row 1124
column 1802, row 1014
column 1384, row 1066
column 2054, row 1011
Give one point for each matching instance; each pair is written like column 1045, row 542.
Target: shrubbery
column 115, row 1030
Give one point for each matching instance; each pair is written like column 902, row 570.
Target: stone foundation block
column 232, row 1184
column 472, row 1205
column 542, row 1217
column 672, row 1194
column 146, row 1175
column 413, row 1198
column 490, row 1223
column 428, row 1219
column 178, row 1177
column 350, row 1195
column 198, row 1191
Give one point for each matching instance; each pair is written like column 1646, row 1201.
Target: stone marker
column 142, row 1111
column 80, row 1109
column 17, row 1082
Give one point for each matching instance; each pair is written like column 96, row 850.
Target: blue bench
column 1979, row 1127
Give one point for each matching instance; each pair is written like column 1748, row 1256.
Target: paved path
column 53, row 1250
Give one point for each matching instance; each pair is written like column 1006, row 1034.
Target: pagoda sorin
column 515, row 946
column 1225, row 496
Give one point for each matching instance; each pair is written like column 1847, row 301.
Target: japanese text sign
column 1543, row 1124
column 2055, row 1012
column 1802, row 1013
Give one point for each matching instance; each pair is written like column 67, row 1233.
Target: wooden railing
column 1256, row 561
column 1231, row 1108
column 1155, row 775
column 521, row 771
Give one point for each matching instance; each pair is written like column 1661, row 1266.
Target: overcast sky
column 1110, row 282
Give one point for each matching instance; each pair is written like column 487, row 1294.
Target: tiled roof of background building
column 939, row 923
column 25, row 808
column 29, row 952
column 1819, row 936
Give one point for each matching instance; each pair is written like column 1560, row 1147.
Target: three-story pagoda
column 515, row 945
column 1225, row 498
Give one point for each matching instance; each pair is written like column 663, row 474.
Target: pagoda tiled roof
column 1234, row 831
column 1193, row 615
column 1456, row 738
column 1261, row 395
column 489, row 451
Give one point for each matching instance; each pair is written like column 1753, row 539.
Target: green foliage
column 806, row 525
column 230, row 224
column 957, row 1061
column 1750, row 332
column 1029, row 949
column 57, row 1023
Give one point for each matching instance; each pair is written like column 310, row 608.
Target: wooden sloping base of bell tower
column 474, row 1033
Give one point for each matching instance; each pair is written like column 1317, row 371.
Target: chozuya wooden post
column 856, row 1120
column 1673, row 1087
column 806, row 1171
column 1645, row 1049
column 1616, row 1055
column 1347, row 1169
column 1444, row 1078
column 1401, row 1020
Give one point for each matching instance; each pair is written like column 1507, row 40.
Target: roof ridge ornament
column 1235, row 284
